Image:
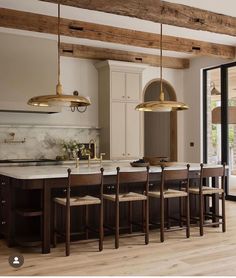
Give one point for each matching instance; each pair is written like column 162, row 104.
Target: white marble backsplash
column 41, row 141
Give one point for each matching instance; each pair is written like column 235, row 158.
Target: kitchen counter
column 60, row 171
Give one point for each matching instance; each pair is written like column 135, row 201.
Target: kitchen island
column 27, row 193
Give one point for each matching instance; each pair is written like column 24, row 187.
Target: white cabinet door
column 117, row 130
column 117, row 85
column 133, row 86
column 133, row 139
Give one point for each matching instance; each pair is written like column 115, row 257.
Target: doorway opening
column 160, row 129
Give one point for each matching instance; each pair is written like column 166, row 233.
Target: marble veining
column 41, row 142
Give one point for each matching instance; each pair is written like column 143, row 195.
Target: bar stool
column 76, row 180
column 117, row 198
column 203, row 191
column 166, row 193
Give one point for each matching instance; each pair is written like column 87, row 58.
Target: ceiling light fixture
column 74, row 101
column 161, row 105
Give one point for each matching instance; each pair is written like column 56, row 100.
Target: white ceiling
column 227, row 7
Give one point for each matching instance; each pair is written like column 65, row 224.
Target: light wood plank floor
column 213, row 254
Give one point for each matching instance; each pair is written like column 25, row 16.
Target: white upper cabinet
column 125, row 86
column 118, row 89
column 133, row 88
column 120, row 86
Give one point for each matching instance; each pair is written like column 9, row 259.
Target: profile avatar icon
column 16, row 260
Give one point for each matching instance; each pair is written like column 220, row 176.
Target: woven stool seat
column 79, row 201
column 127, row 197
column 206, row 190
column 170, row 193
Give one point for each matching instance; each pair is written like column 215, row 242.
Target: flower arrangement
column 71, row 148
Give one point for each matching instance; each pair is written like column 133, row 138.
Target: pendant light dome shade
column 59, row 99
column 161, row 105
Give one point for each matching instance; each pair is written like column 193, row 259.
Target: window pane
column 213, row 116
column 232, row 128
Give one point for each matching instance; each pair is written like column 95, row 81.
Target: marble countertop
column 60, row 171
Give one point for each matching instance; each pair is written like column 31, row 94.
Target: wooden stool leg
column 162, row 216
column 201, row 214
column 180, row 211
column 223, row 213
column 130, row 217
column 143, row 216
column 187, row 211
column 86, row 222
column 101, row 232
column 54, row 224
column 117, row 225
column 167, row 213
column 147, row 221
column 68, row 231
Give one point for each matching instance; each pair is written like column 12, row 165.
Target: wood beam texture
column 97, row 53
column 163, row 12
column 74, row 28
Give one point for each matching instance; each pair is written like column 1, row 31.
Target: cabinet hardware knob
column 3, row 202
column 123, row 154
column 128, row 153
column 4, row 222
column 123, row 96
column 65, row 190
column 128, row 97
column 3, row 183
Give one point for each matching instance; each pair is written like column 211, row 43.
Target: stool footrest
column 212, row 224
column 132, row 235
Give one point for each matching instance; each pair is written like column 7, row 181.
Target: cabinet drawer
column 4, row 181
column 3, row 226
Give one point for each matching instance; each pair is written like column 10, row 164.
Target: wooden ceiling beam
column 163, row 12
column 74, row 28
column 98, row 53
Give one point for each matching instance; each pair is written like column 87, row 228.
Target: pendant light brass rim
column 48, row 100
column 161, row 106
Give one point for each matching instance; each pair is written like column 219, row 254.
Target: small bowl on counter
column 159, row 161
column 139, row 163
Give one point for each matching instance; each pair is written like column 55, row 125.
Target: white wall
column 28, row 68
column 175, row 78
column 193, row 97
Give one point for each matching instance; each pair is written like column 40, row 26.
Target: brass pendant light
column 161, row 105
column 59, row 99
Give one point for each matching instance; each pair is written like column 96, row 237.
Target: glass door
column 219, row 116
column 231, row 84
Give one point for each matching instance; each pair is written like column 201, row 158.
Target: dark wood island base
column 26, row 208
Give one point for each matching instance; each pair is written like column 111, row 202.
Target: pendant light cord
column 58, row 41
column 59, row 86
column 161, row 83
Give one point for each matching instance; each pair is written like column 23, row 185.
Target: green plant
column 70, row 147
